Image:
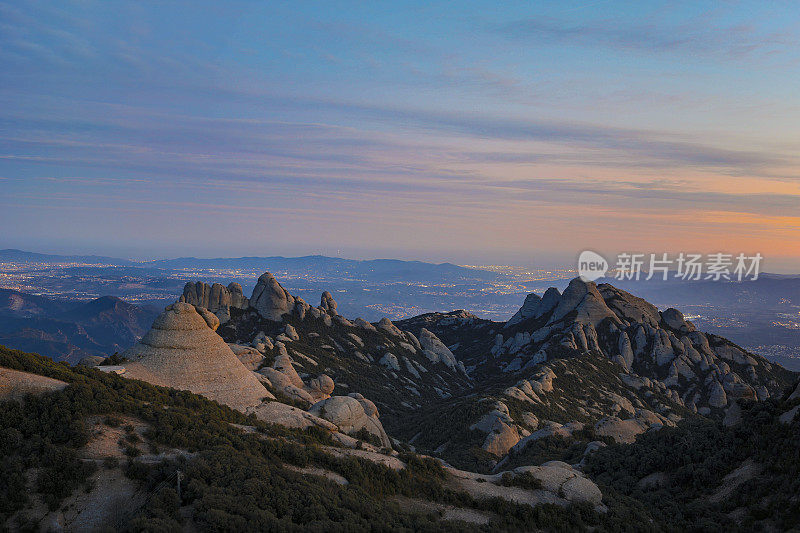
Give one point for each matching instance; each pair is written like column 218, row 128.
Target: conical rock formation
column 181, row 351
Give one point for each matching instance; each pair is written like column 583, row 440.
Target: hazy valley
column 763, row 316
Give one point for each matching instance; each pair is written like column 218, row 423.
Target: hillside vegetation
column 237, row 472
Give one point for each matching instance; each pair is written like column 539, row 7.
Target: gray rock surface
column 674, row 319
column 386, row 325
column 389, row 360
column 435, row 350
column 586, row 301
column 528, row 309
column 328, row 304
column 716, row 395
column 216, row 298
column 348, row 414
column 182, row 351
column 270, row 299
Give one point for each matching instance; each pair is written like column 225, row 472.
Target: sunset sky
column 470, row 132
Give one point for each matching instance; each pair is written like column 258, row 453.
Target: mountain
column 67, row 330
column 704, row 476
column 589, row 409
column 111, row 321
column 372, row 289
column 761, row 315
column 15, row 304
column 593, row 362
column 767, row 289
column 11, row 255
column 88, row 450
column 319, row 266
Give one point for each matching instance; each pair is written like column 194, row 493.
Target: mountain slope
column 708, row 477
column 594, row 380
column 593, row 363
column 70, row 330
column 105, row 452
column 15, row 304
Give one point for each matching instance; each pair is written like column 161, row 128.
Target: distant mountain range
column 11, row 255
column 320, row 265
column 762, row 316
column 70, row 330
column 370, row 270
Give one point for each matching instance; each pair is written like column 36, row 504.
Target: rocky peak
column 697, row 371
column 270, row 299
column 629, row 308
column 386, row 325
column 216, row 297
column 583, row 297
column 528, row 309
column 328, row 304
column 182, row 351
column 536, row 307
column 435, row 350
column 674, row 319
column 549, row 302
column 238, row 299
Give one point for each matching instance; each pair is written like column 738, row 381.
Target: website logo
column 591, row 265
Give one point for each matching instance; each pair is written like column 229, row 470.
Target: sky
column 471, row 132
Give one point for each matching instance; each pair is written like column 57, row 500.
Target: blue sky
column 470, row 132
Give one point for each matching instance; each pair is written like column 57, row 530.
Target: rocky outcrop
column 626, row 431
column 328, row 304
column 348, row 413
column 247, row 355
column 674, row 319
column 585, row 301
column 389, row 360
column 386, row 325
column 321, row 387
column 716, row 395
column 796, row 394
column 501, row 438
column 283, row 378
column 561, row 485
column 291, row 332
column 361, row 323
column 560, row 478
column 270, row 299
column 435, row 350
column 182, row 351
column 501, row 431
column 695, row 370
column 291, row 417
column 262, row 342
column 91, row 360
column 528, row 309
column 216, row 298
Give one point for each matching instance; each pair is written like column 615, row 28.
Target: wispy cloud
column 700, row 37
column 373, row 127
